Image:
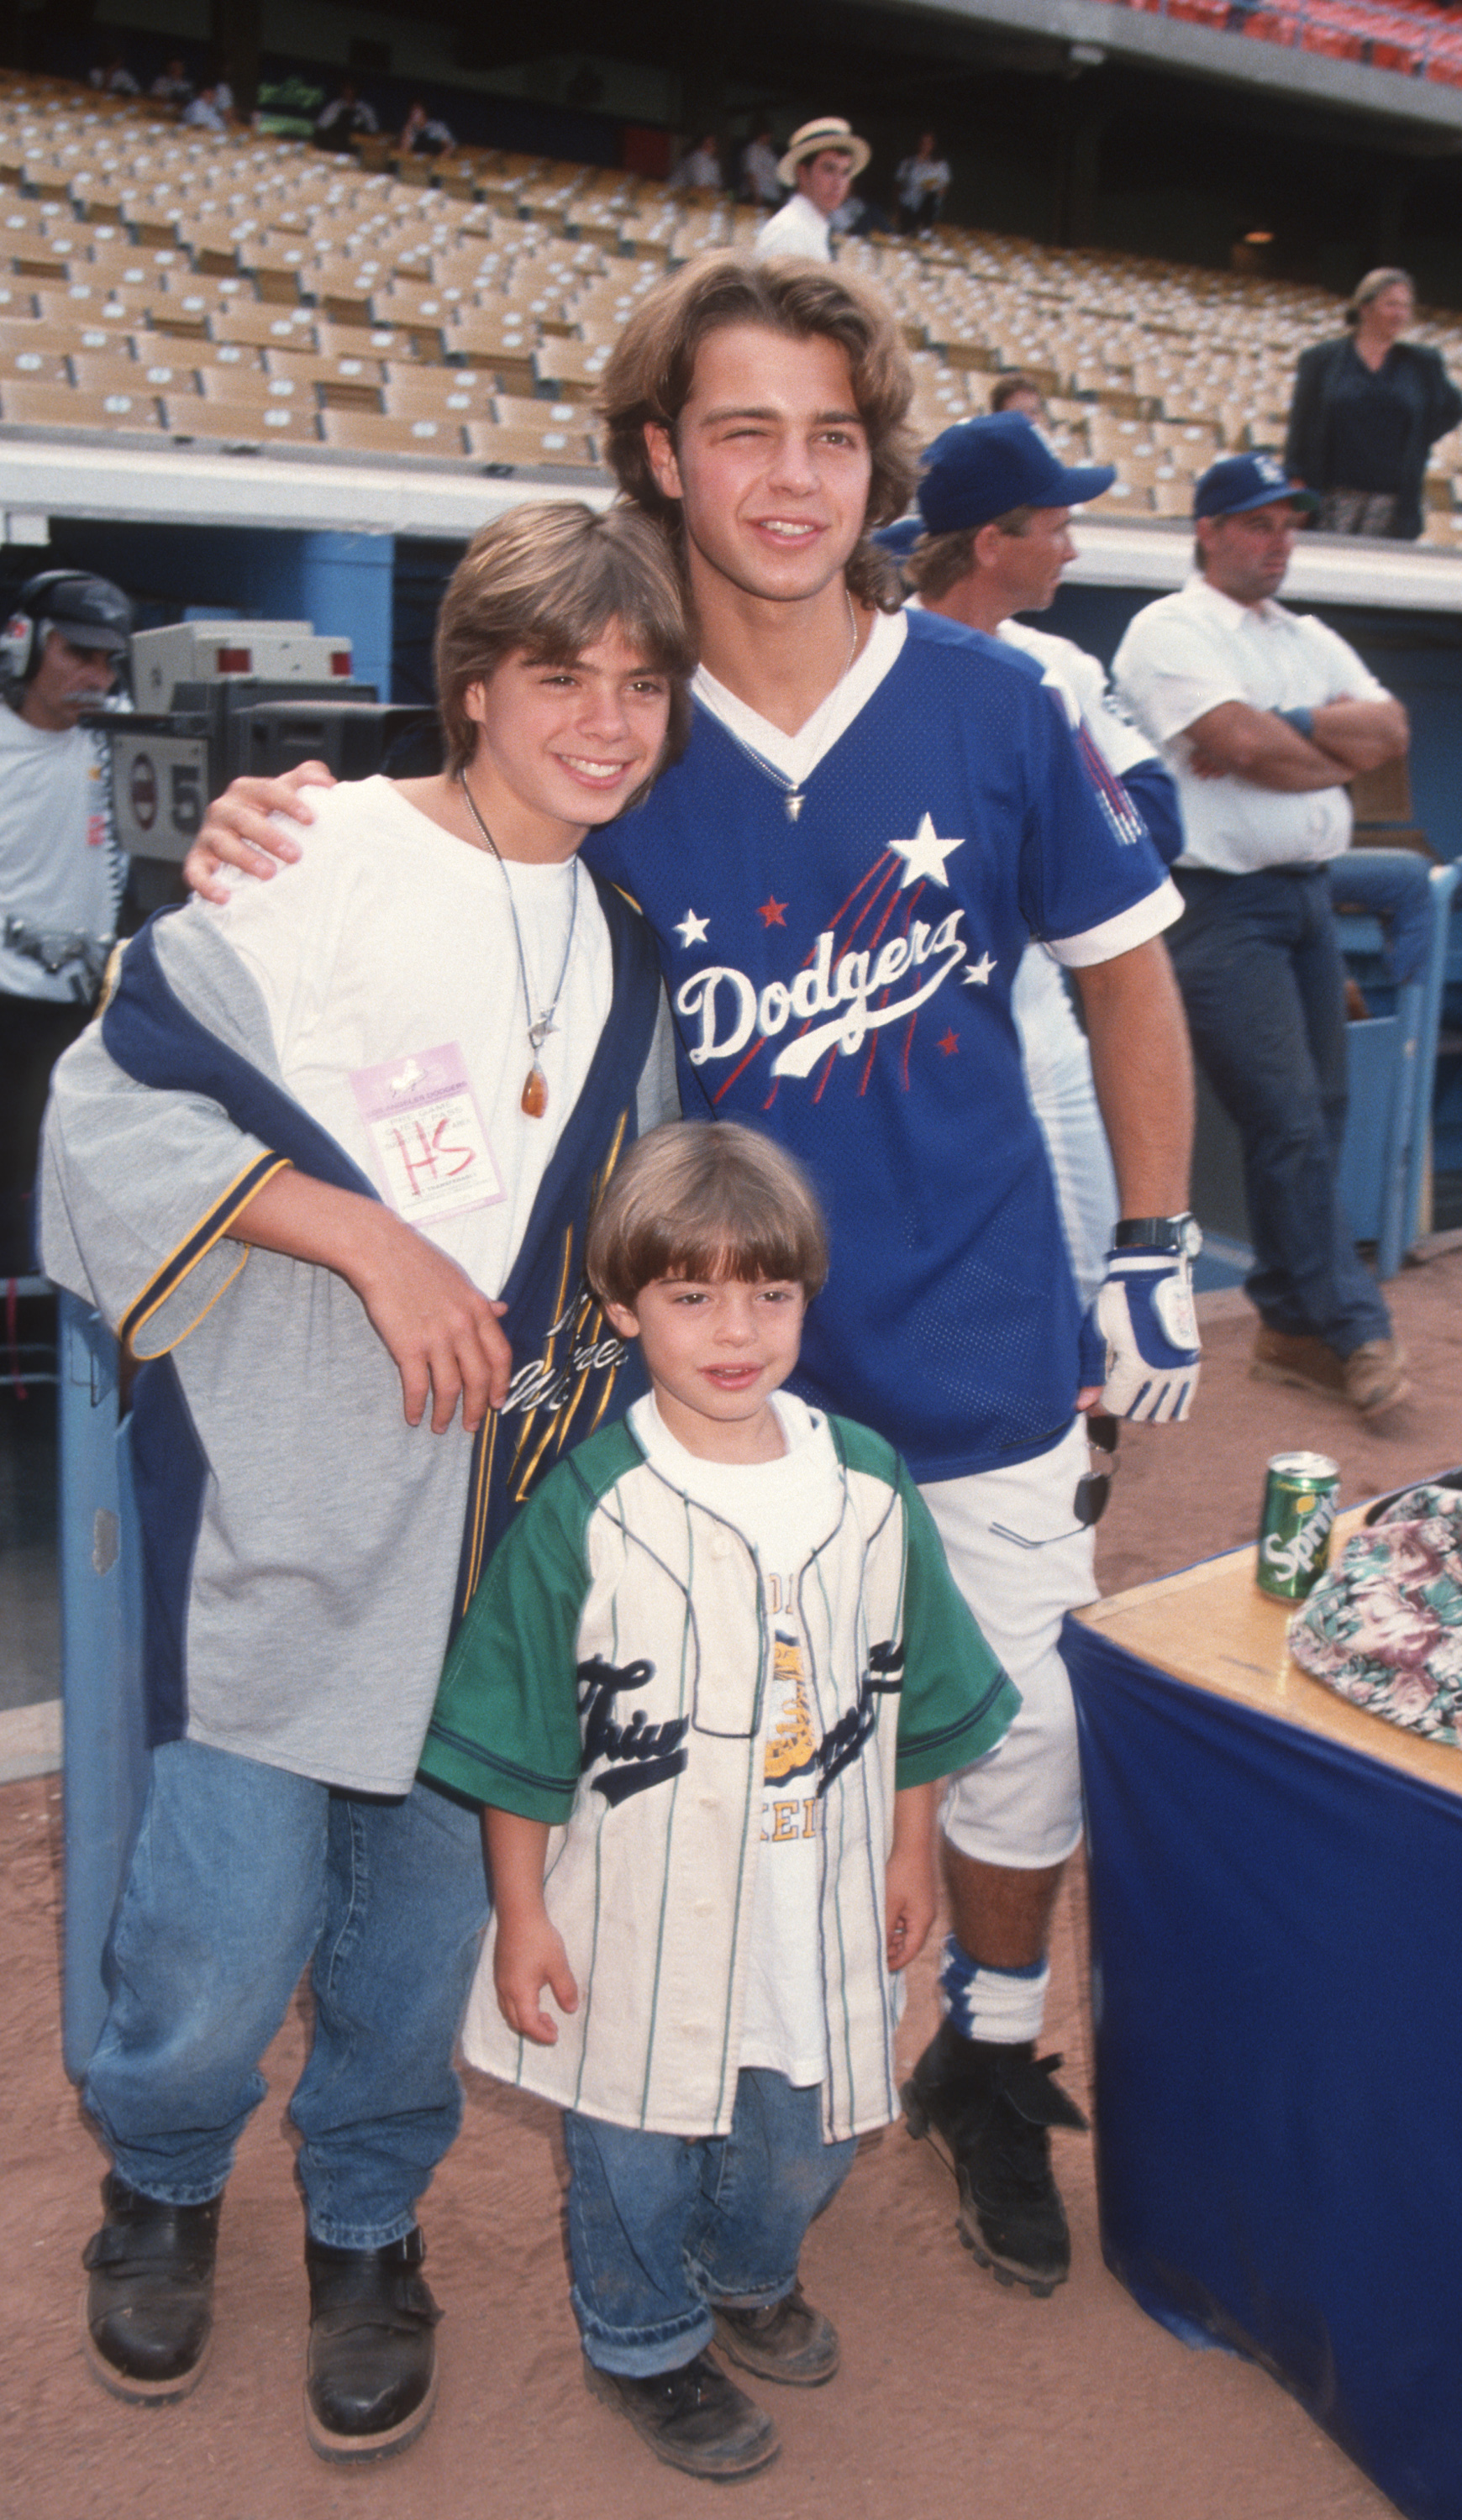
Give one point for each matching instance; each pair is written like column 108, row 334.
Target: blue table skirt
column 1278, row 2044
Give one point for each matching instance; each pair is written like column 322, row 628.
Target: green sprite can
column 1302, row 1493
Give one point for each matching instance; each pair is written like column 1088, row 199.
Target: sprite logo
column 1297, row 1556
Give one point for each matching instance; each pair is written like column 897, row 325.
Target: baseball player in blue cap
column 1265, row 717
column 993, row 539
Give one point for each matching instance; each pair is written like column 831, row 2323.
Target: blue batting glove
column 1143, row 1310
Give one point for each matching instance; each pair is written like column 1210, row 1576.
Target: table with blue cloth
column 1277, row 1891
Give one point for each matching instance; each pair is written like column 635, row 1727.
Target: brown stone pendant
column 534, row 1097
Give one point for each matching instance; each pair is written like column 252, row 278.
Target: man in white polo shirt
column 821, row 161
column 1265, row 716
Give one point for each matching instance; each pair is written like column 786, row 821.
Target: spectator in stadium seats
column 423, row 135
column 760, row 184
column 1367, row 410
column 700, row 169
column 922, row 183
column 61, row 873
column 173, row 86
column 204, row 114
column 1265, row 717
column 821, row 160
column 346, row 118
column 113, row 79
column 1020, row 394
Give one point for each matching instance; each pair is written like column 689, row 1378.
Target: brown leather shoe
column 788, row 2341
column 1376, row 1376
column 1372, row 1378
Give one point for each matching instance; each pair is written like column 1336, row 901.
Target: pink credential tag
column 429, row 1147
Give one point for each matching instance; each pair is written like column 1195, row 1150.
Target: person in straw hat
column 821, row 160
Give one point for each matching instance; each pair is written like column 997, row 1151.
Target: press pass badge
column 429, row 1145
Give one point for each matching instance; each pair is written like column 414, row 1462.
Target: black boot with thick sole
column 150, row 2299
column 990, row 2110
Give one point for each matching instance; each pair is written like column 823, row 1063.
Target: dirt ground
column 955, row 2397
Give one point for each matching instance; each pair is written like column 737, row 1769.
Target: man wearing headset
column 61, row 871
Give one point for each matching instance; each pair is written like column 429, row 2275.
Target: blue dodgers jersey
column 844, row 982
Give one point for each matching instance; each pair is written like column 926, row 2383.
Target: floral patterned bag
column 1384, row 1626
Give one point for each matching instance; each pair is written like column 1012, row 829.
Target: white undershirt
column 391, row 939
column 782, row 1510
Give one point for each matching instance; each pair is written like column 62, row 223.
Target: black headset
column 22, row 639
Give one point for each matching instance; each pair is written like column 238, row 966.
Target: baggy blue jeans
column 241, row 1877
column 662, row 2227
column 1260, row 967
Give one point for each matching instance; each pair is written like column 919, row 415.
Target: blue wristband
column 1303, row 720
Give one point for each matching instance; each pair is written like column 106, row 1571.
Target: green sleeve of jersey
column 957, row 1703
column 505, row 1727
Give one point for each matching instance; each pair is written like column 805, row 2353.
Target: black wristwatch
column 1181, row 1234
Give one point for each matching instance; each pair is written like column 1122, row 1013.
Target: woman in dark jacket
column 1366, row 412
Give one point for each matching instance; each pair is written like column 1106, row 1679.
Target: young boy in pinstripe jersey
column 706, row 1693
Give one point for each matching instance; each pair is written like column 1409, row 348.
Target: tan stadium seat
column 240, row 356
column 530, row 411
column 503, row 344
column 85, row 301
column 107, row 372
column 241, row 424
column 1172, row 494
column 359, row 342
column 364, row 432
column 263, row 328
column 43, row 364
column 341, row 384
column 571, row 369
column 51, row 406
column 490, row 444
column 254, row 387
column 429, row 394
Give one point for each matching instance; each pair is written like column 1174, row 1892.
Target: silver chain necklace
column 793, row 799
column 534, row 1100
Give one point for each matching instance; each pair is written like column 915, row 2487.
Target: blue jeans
column 662, row 2225
column 241, row 1877
column 1260, row 967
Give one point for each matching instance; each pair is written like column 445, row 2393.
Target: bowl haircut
column 705, row 1199
column 549, row 579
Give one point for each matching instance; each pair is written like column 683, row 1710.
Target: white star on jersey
column 977, row 974
column 924, row 855
column 692, row 930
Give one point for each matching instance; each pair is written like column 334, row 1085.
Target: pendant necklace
column 534, row 1100
column 793, row 799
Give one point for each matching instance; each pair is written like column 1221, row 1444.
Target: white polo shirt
column 796, row 227
column 1189, row 653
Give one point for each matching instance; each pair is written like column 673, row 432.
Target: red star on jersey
column 950, row 1044
column 772, row 913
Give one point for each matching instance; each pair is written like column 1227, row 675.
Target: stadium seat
column 111, row 371
column 489, row 443
column 364, row 432
column 457, row 395
column 241, row 422
column 43, row 405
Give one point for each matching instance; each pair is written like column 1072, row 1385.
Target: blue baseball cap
column 1238, row 482
column 981, row 468
column 899, row 538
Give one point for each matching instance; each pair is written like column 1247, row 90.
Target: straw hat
column 828, row 131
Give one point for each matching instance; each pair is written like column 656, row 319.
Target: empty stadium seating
column 251, row 292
